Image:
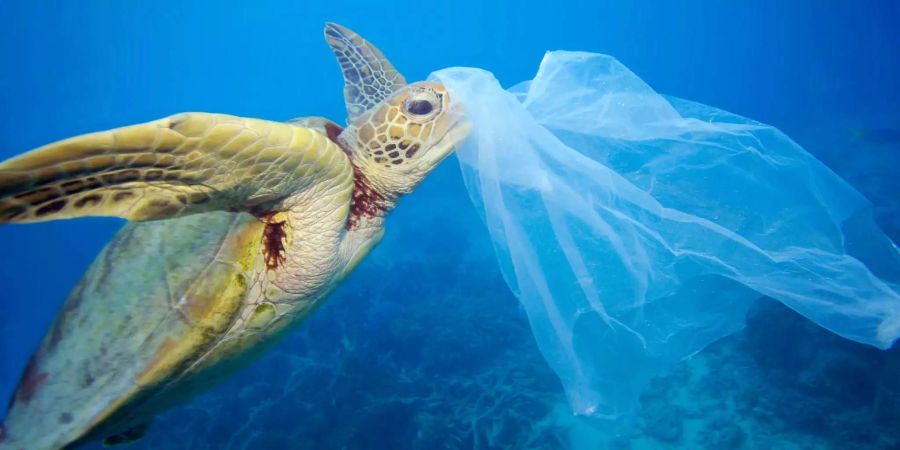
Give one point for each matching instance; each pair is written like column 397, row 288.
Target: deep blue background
column 824, row 72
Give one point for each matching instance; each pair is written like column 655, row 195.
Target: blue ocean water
column 424, row 347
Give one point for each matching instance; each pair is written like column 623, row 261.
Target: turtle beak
column 457, row 132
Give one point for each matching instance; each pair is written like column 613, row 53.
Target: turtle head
column 403, row 138
column 397, row 132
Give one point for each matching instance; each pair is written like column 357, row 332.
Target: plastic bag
column 636, row 229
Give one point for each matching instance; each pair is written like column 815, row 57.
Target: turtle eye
column 422, row 104
column 419, row 107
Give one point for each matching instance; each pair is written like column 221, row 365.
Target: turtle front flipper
column 180, row 165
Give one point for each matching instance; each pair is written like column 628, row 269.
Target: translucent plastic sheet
column 636, row 229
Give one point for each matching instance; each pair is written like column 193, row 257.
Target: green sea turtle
column 239, row 228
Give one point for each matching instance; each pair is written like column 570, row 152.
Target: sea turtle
column 239, row 228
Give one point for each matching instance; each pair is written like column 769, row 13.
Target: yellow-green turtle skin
column 166, row 300
column 239, row 229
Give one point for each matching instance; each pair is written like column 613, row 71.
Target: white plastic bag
column 636, row 229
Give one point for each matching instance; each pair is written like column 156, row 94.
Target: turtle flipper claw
column 128, row 436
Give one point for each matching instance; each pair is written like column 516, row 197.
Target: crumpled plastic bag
column 636, row 229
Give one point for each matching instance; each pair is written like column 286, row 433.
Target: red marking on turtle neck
column 366, row 201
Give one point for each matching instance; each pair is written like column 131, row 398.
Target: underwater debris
column 637, row 229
